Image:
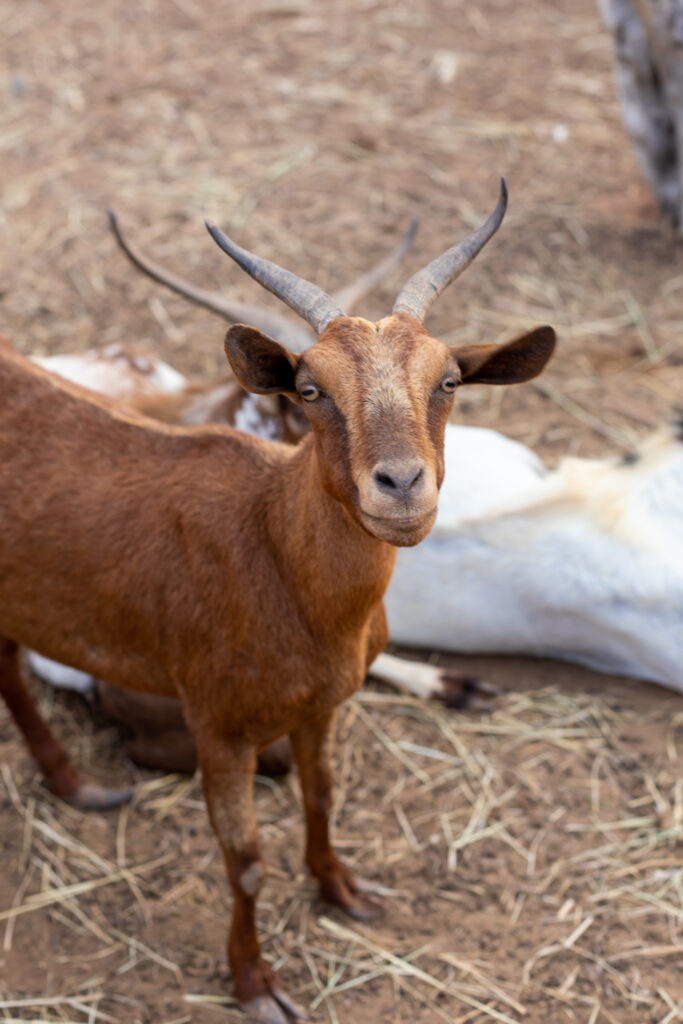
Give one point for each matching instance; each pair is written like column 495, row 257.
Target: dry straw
column 532, row 857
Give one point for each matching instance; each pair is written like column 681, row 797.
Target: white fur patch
column 115, row 372
column 60, row 676
column 249, row 418
column 415, row 677
column 252, row 878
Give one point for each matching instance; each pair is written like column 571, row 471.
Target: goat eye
column 449, row 384
column 310, row 393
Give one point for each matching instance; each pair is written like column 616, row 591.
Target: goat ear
column 260, row 364
column 513, row 362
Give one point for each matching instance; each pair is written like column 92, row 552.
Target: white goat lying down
column 584, row 562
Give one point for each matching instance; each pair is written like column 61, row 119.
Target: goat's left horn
column 306, row 299
column 423, row 289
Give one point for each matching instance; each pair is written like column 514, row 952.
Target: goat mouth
column 413, row 520
column 412, row 528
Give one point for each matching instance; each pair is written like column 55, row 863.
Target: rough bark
column 648, row 44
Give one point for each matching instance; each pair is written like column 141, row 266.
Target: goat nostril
column 400, row 481
column 384, row 480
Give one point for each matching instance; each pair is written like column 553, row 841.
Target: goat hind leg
column 312, row 747
column 228, row 769
column 61, row 776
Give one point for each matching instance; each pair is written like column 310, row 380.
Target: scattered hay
column 530, row 863
column 531, row 859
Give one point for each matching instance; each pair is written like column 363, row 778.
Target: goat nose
column 398, row 480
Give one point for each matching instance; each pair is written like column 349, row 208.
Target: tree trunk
column 648, row 44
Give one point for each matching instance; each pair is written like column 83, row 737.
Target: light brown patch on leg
column 228, row 767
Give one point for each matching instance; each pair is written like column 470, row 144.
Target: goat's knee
column 247, row 874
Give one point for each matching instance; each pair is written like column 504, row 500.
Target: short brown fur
column 244, row 576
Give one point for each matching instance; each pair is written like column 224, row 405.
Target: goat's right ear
column 512, row 362
column 260, row 364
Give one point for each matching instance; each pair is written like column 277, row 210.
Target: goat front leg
column 228, row 767
column 61, row 776
column 312, row 747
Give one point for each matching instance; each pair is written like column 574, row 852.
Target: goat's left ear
column 513, row 362
column 260, row 364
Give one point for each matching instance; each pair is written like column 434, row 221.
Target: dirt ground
column 533, row 855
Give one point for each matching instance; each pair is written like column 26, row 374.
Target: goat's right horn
column 423, row 289
column 306, row 299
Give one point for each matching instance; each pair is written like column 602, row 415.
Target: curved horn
column 279, row 327
column 419, row 293
column 306, row 299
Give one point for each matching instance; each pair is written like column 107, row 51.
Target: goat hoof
column 363, row 908
column 268, row 1009
column 264, row 1009
column 459, row 691
column 351, row 894
column 90, row 797
column 292, row 1008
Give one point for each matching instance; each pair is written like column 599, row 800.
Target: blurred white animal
column 117, row 371
column 583, row 563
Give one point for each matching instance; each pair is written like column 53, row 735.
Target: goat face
column 374, row 396
column 378, row 397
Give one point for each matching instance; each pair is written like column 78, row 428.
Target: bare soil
column 534, row 854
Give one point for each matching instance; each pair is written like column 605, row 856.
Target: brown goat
column 244, row 576
column 158, row 734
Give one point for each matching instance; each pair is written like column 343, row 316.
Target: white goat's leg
column 62, row 677
column 420, row 679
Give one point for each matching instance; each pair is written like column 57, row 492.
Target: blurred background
column 313, row 133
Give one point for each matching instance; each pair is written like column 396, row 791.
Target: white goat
column 117, row 371
column 583, row 563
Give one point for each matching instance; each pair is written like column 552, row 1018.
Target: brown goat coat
column 187, row 545
column 244, row 576
column 205, row 564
